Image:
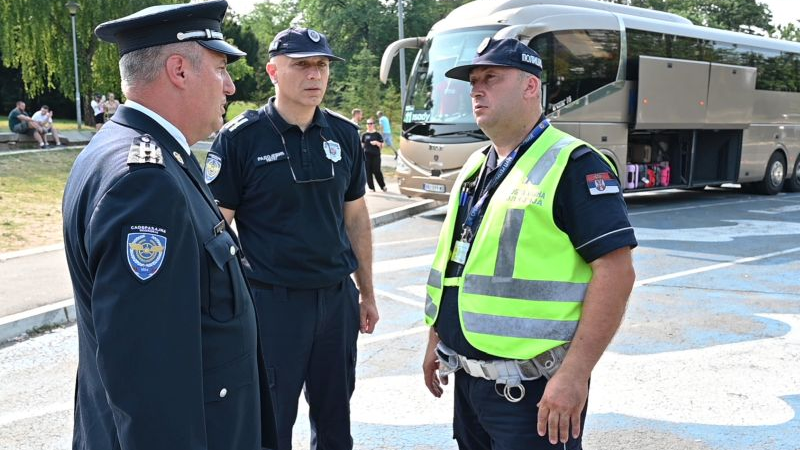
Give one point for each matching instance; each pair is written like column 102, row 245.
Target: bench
column 11, row 139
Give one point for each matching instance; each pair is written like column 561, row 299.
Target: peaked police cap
column 503, row 53
column 169, row 24
column 301, row 43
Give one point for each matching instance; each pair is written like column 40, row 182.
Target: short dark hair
column 46, row 107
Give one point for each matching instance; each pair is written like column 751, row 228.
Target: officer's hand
column 430, row 370
column 369, row 314
column 561, row 405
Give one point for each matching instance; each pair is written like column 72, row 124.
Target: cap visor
column 223, row 47
column 310, row 54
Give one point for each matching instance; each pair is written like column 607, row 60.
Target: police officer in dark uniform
column 533, row 268
column 169, row 353
column 292, row 175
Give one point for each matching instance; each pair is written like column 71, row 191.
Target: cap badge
column 314, row 36
column 484, row 43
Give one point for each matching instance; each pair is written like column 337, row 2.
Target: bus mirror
column 392, row 50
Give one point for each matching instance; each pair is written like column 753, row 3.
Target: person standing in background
column 386, row 131
column 372, row 142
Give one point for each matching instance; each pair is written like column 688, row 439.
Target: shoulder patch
column 241, row 122
column 145, row 150
column 145, row 247
column 602, row 183
column 335, row 114
column 212, row 168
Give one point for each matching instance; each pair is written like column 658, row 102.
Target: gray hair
column 141, row 67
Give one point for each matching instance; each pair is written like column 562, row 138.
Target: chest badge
column 212, row 168
column 145, row 252
column 333, row 150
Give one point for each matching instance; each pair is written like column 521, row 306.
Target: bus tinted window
column 576, row 62
column 777, row 71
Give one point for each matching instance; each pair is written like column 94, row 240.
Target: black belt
column 269, row 286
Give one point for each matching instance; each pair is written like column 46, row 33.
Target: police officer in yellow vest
column 533, row 268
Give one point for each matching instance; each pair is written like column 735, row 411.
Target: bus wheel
column 793, row 183
column 773, row 178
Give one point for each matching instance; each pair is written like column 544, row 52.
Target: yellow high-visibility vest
column 522, row 288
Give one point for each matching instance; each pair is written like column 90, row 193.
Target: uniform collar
column 319, row 119
column 170, row 128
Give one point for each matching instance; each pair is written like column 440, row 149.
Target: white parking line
column 684, row 273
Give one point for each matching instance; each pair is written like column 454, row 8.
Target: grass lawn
column 31, row 187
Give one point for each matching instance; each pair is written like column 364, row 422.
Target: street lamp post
column 73, row 9
column 402, row 53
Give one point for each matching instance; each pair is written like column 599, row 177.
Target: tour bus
column 672, row 104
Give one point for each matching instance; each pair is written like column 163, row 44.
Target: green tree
column 734, row 15
column 36, row 36
column 789, row 32
column 264, row 22
column 361, row 87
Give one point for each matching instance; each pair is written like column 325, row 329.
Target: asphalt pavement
column 35, row 287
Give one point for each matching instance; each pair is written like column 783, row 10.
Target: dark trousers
column 485, row 420
column 309, row 337
column 373, row 163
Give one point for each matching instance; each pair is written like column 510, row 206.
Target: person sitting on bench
column 19, row 122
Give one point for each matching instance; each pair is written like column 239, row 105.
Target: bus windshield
column 434, row 98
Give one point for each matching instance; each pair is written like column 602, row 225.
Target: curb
column 402, row 212
column 20, row 324
column 63, row 312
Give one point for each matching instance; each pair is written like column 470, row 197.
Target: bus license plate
column 438, row 188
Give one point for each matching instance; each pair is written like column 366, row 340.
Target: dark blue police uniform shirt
column 289, row 200
column 596, row 225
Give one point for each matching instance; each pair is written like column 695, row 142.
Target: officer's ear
column 272, row 71
column 532, row 86
column 177, row 66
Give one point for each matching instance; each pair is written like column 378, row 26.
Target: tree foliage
column 734, row 15
column 36, row 36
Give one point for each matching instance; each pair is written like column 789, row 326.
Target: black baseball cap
column 500, row 52
column 169, row 24
column 301, row 43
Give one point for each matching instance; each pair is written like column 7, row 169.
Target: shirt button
column 223, row 392
column 233, row 250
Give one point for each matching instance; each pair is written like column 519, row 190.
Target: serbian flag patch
column 602, row 183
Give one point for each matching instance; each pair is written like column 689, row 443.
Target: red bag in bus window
column 651, row 176
column 633, row 176
column 664, row 177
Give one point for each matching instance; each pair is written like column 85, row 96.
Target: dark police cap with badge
column 169, row 24
column 502, row 53
column 301, row 43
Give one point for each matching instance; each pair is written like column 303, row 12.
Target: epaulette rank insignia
column 144, row 150
column 241, row 121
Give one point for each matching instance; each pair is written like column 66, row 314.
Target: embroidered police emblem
column 332, row 150
column 213, row 166
column 178, row 157
column 314, row 36
column 145, row 249
column 484, row 43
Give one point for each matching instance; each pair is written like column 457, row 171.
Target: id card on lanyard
column 462, row 246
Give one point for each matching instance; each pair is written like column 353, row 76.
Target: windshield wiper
column 477, row 134
column 407, row 131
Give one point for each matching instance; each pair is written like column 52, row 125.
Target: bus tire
column 793, row 183
column 774, row 176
